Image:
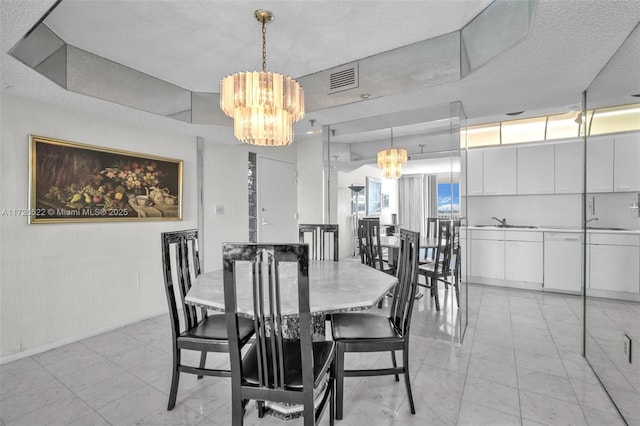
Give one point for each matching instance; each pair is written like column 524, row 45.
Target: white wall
column 59, row 282
column 225, row 184
column 310, row 181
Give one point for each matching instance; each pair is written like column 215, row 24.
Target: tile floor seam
column 573, row 390
column 467, row 370
column 515, row 359
column 55, row 377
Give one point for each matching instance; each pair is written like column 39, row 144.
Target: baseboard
column 34, row 351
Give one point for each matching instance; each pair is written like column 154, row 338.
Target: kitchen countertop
column 595, row 230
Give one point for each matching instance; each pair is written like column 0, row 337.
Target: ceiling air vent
column 343, row 78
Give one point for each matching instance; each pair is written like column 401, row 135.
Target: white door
column 277, row 202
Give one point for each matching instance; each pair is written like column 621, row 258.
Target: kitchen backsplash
column 612, row 210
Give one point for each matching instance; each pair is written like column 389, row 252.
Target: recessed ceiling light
column 514, row 113
column 365, row 96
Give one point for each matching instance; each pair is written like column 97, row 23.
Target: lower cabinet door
column 487, row 259
column 563, row 264
column 614, row 268
column 523, row 260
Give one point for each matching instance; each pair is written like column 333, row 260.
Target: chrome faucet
column 502, row 221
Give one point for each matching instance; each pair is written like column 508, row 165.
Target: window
column 448, row 200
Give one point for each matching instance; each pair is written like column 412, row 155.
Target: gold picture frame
column 76, row 182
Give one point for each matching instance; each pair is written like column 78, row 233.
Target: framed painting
column 374, row 197
column 75, row 182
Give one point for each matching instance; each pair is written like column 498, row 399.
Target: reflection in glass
column 611, row 267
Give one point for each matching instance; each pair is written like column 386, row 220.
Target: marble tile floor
column 519, row 364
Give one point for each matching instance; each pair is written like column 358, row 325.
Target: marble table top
column 340, row 286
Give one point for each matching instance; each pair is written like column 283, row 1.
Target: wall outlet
column 626, row 347
column 219, row 210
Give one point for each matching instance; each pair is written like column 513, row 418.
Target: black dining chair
column 370, row 332
column 277, row 369
column 431, row 230
column 374, row 255
column 323, row 240
column 200, row 332
column 452, row 276
column 439, row 269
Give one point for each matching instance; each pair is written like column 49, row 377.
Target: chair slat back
column 443, row 250
column 181, row 266
column 431, row 230
column 454, row 258
column 323, row 238
column 407, row 273
column 362, row 242
column 266, row 267
column 373, row 255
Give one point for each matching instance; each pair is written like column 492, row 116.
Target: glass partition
column 432, row 138
column 611, row 229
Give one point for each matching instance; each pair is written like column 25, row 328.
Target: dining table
column 334, row 286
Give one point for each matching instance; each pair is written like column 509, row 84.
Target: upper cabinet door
column 500, row 171
column 536, row 169
column 626, row 174
column 474, row 172
column 569, row 167
column 600, row 164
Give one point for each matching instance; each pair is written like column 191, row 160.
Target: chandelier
column 264, row 105
column 391, row 161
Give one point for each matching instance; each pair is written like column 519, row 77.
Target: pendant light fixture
column 264, row 105
column 391, row 161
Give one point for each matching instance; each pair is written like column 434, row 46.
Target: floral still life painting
column 72, row 182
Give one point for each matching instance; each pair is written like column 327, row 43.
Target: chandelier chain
column 264, row 46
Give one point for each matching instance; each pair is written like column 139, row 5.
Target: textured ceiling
column 195, row 43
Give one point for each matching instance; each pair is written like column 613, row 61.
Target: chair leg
column 237, row 409
column 434, row 291
column 407, row 379
column 261, row 409
column 175, row 379
column 332, row 401
column 332, row 394
column 203, row 361
column 457, row 289
column 395, row 364
column 339, row 379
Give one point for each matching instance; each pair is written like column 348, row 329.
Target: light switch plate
column 626, row 347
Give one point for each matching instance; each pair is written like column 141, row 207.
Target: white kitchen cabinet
column 536, row 169
column 600, row 164
column 500, row 171
column 626, row 172
column 474, row 172
column 569, row 166
column 486, row 254
column 563, row 261
column 614, row 262
column 523, row 256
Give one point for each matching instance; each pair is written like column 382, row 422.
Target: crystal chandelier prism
column 391, row 161
column 264, row 105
